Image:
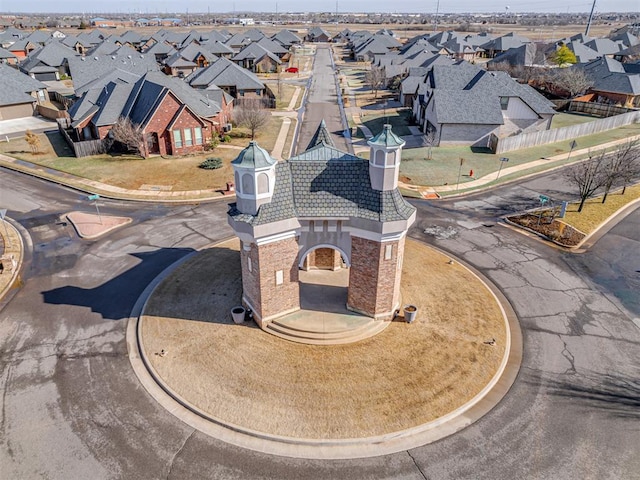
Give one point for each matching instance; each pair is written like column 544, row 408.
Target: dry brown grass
column 594, row 212
column 403, row 377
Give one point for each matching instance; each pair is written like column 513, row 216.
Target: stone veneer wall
column 261, row 288
column 374, row 283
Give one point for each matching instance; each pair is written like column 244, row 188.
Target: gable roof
column 224, row 72
column 17, row 86
column 255, row 51
column 137, row 98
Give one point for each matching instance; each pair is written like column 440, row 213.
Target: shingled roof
column 322, row 136
column 326, row 182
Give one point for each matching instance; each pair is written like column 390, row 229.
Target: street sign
column 3, row 212
column 93, row 197
column 543, row 199
column 504, row 159
column 573, row 144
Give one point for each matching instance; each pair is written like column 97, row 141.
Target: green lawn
column 443, row 168
column 399, row 121
column 567, row 119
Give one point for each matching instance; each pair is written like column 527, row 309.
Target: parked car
column 292, row 70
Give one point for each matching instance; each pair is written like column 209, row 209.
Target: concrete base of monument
column 409, row 385
column 323, row 318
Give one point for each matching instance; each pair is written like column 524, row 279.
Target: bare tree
column 430, row 141
column 622, row 167
column 129, row 135
column 374, row 78
column 572, row 80
column 252, row 116
column 587, row 177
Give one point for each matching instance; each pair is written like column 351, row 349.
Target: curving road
column 71, row 406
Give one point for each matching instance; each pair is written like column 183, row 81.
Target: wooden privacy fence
column 526, row 140
column 81, row 149
column 597, row 109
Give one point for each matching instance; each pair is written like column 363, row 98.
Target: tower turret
column 255, row 177
column 384, row 159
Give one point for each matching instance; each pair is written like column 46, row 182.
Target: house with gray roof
column 84, row 70
column 258, row 59
column 187, row 60
column 464, row 105
column 612, row 83
column 20, row 94
column 219, row 49
column 286, row 38
column 322, row 209
column 49, row 62
column 240, row 83
column 502, row 44
column 174, row 118
column 318, row 34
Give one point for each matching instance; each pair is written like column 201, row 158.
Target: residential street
column 73, row 408
column 322, row 103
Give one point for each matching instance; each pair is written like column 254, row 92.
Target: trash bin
column 410, row 312
column 238, row 314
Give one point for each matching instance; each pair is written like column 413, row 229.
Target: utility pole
column 593, row 7
column 435, row 20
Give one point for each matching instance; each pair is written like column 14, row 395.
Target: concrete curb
column 79, row 186
column 589, row 240
column 394, row 442
column 15, row 273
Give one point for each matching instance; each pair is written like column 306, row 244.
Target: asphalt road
column 322, row 103
column 73, row 408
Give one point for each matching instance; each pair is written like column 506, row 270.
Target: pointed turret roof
column 387, row 138
column 322, row 136
column 254, row 156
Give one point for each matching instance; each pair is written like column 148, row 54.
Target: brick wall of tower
column 325, row 259
column 251, row 278
column 274, row 257
column 374, row 282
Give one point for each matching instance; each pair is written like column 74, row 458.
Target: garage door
column 46, row 77
column 16, row 111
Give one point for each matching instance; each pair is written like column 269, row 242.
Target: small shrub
column 239, row 134
column 211, row 163
column 226, row 138
column 213, row 143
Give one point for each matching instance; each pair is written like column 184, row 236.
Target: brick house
column 175, row 119
column 324, row 209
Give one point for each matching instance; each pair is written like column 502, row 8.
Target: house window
column 241, row 93
column 198, row 135
column 188, row 140
column 504, row 103
column 41, row 96
column 258, row 91
column 177, row 139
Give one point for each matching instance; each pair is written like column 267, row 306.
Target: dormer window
column 504, row 103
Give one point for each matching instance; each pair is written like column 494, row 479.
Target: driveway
column 12, row 128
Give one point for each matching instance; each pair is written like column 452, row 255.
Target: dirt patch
column 405, row 376
column 554, row 230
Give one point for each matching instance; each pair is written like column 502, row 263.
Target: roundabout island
column 324, row 366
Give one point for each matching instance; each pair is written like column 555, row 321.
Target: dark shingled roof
column 325, row 182
column 322, row 135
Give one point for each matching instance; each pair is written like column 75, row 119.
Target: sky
column 418, row 6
